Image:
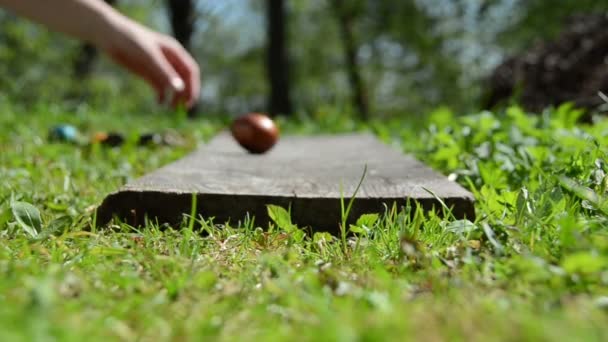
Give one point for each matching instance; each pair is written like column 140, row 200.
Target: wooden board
column 310, row 174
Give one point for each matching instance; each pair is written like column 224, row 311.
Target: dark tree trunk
column 277, row 59
column 83, row 64
column 345, row 19
column 183, row 17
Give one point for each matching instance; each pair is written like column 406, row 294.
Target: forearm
column 157, row 58
column 83, row 19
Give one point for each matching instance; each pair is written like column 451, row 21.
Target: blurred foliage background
column 411, row 55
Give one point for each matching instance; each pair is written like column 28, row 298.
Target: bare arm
column 82, row 19
column 157, row 58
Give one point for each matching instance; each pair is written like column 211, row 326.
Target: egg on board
column 255, row 132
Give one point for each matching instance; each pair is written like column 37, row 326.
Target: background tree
column 183, row 20
column 83, row 63
column 346, row 14
column 412, row 54
column 277, row 58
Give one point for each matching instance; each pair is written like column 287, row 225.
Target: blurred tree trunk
column 277, row 59
column 183, row 18
column 345, row 17
column 83, row 64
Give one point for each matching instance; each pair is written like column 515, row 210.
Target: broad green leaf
column 28, row 217
column 280, row 217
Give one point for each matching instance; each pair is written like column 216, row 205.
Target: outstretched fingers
column 187, row 69
column 155, row 70
column 159, row 59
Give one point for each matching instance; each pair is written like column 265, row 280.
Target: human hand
column 157, row 58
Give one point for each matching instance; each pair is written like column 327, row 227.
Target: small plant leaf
column 364, row 224
column 322, row 237
column 584, row 193
column 5, row 216
column 56, row 227
column 28, row 217
column 460, row 226
column 357, row 229
column 491, row 236
column 280, row 217
column 584, row 262
column 367, row 220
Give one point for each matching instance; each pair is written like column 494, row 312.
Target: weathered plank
column 309, row 174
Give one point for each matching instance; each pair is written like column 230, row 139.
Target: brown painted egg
column 256, row 132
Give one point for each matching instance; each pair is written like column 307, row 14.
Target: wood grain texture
column 310, row 174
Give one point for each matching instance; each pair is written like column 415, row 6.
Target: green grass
column 533, row 266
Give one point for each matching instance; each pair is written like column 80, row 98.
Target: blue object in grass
column 64, row 133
